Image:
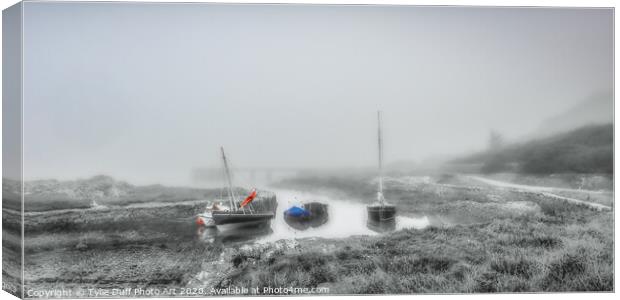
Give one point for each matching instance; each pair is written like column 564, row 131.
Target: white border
column 551, row 3
column 536, row 3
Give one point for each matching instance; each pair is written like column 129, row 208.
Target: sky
column 148, row 92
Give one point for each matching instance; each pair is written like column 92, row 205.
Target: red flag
column 249, row 198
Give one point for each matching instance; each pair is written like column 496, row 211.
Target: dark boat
column 381, row 226
column 297, row 217
column 235, row 217
column 381, row 214
column 313, row 214
column 240, row 214
column 318, row 212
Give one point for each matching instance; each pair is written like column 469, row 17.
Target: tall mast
column 231, row 193
column 380, row 153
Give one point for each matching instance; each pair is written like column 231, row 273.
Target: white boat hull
column 205, row 220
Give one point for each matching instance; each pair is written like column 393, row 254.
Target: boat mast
column 231, row 193
column 380, row 197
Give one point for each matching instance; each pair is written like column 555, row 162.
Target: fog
column 148, row 92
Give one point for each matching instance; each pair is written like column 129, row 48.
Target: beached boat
column 319, row 213
column 239, row 213
column 381, row 214
column 312, row 214
column 205, row 219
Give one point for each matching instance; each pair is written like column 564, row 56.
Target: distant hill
column 588, row 149
column 43, row 195
column 595, row 110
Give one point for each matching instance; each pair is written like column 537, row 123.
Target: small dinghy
column 313, row 214
column 296, row 217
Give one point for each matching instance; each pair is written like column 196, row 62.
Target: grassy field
column 47, row 195
column 493, row 241
column 487, row 239
column 129, row 245
column 107, row 248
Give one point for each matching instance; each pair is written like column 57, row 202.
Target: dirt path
column 546, row 191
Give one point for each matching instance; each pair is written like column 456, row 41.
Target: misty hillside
column 594, row 110
column 588, row 149
column 42, row 195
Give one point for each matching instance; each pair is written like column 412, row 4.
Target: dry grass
column 558, row 246
column 497, row 241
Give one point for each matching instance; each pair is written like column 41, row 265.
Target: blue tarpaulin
column 296, row 212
